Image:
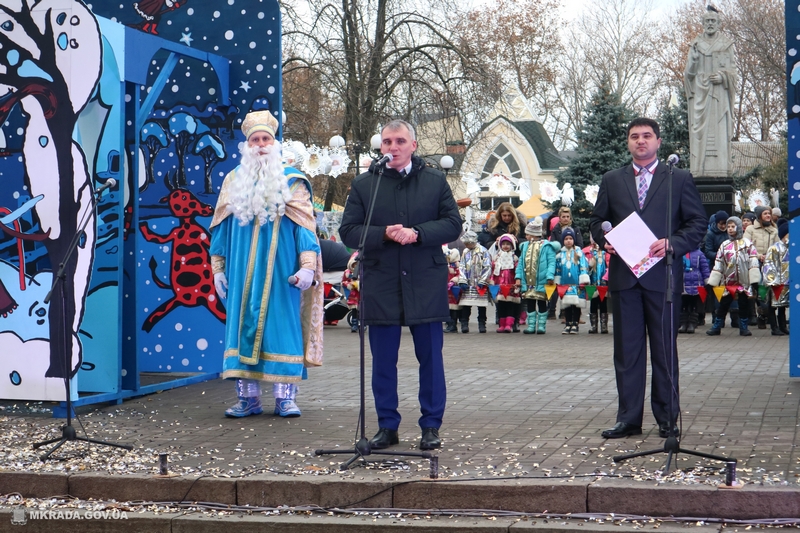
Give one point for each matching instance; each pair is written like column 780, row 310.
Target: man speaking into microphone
column 638, row 304
column 404, row 279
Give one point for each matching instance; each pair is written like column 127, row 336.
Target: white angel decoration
column 567, row 195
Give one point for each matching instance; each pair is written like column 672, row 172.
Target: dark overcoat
column 403, row 285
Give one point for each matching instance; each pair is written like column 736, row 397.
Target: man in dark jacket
column 638, row 302
column 404, row 280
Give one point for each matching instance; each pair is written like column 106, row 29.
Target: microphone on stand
column 385, row 159
column 107, row 185
column 673, row 159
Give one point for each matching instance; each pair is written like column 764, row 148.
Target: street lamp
column 446, row 162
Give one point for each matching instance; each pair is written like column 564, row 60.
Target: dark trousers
column 531, row 305
column 507, row 309
column 466, row 311
column 689, row 303
column 384, row 342
column 726, row 301
column 572, row 313
column 596, row 305
column 639, row 316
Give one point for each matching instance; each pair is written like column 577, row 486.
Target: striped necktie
column 642, row 174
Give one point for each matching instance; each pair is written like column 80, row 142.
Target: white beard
column 260, row 188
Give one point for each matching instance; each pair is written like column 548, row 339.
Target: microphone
column 385, row 159
column 673, row 159
column 293, row 281
column 606, row 225
column 107, row 185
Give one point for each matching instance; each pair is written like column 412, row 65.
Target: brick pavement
column 517, row 404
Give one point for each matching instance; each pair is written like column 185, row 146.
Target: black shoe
column 384, row 438
column 465, row 327
column 430, row 439
column 451, row 327
column 482, row 327
column 664, row 432
column 621, row 430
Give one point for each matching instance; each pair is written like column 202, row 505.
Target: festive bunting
column 456, row 290
column 562, row 290
column 701, row 291
column 776, row 290
column 732, row 289
column 762, row 292
column 327, row 287
column 590, row 290
column 481, row 289
column 346, row 292
column 602, row 290
column 505, row 290
column 549, row 290
column 718, row 292
column 494, row 289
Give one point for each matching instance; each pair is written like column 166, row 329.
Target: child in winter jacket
column 736, row 268
column 504, row 275
column 572, row 271
column 695, row 274
column 536, row 268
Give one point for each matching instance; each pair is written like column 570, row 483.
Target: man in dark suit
column 404, row 281
column 638, row 304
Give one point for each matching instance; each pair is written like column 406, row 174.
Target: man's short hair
column 644, row 121
column 396, row 124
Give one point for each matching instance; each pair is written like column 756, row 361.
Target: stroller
column 335, row 303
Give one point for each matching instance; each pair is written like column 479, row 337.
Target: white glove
column 221, row 284
column 304, row 277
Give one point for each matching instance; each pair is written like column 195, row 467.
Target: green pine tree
column 602, row 146
column 674, row 121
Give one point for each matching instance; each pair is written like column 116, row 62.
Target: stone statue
column 710, row 81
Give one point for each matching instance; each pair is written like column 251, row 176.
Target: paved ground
column 517, row 405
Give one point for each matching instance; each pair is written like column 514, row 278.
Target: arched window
column 501, row 157
column 501, row 161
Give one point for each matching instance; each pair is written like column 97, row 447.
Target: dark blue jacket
column 714, row 238
column 403, row 285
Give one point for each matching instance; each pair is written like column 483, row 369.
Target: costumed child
column 775, row 272
column 536, row 268
column 504, row 275
column 572, row 271
column 598, row 275
column 452, row 256
column 735, row 266
column 350, row 282
column 475, row 268
column 695, row 274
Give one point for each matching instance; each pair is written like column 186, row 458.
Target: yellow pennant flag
column 549, row 290
column 718, row 292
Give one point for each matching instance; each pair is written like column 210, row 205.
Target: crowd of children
column 519, row 280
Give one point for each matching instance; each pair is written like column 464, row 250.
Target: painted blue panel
column 793, row 103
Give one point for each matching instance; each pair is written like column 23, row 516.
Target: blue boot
column 533, row 319
column 249, row 393
column 743, row 331
column 716, row 327
column 541, row 327
column 285, row 395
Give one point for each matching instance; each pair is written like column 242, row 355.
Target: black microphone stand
column 672, row 444
column 362, row 448
column 68, row 432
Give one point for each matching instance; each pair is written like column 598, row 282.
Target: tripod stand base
column 672, row 447
column 68, row 434
column 364, row 450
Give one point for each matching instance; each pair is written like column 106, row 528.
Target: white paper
column 631, row 239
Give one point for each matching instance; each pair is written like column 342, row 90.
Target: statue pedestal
column 716, row 193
